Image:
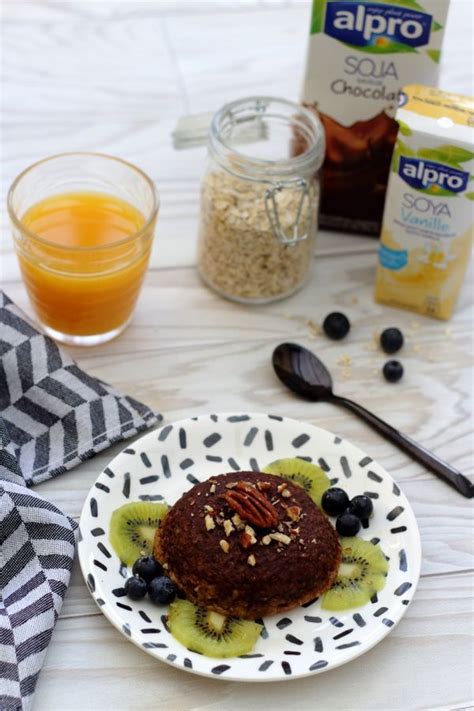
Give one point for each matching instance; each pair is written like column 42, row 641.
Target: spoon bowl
column 301, row 371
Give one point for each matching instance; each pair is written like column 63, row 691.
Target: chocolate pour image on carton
column 368, row 50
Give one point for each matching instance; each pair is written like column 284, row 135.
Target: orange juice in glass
column 83, row 226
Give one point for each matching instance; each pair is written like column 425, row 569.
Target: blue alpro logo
column 381, row 27
column 430, row 176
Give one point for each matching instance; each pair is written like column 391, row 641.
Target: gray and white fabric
column 52, row 417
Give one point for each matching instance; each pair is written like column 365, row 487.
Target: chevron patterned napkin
column 52, row 417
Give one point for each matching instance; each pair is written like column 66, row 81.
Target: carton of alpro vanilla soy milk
column 428, row 220
column 360, row 55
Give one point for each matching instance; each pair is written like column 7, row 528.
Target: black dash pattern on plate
column 192, row 479
column 398, row 529
column 145, row 459
column 380, row 611
column 104, row 550
column 345, row 467
column 359, row 620
column 394, row 513
column 344, row 633
column 293, row 640
column 264, row 632
column 186, row 463
column 171, row 657
column 98, row 564
column 265, row 665
column 165, row 432
column 268, row 440
column 300, row 440
column 182, row 438
column 127, row 630
column 365, row 461
column 126, row 485
column 108, row 472
column 93, row 507
column 324, row 465
column 91, row 582
column 318, row 644
column 311, row 618
column 254, row 465
column 284, row 622
column 402, row 588
column 149, row 479
column 102, row 487
column 165, row 465
column 387, row 622
column 123, row 606
column 212, row 439
column 98, row 532
column 286, row 668
column 402, row 560
column 337, row 623
column 220, row 669
column 375, row 477
column 210, row 458
column 187, row 663
column 250, row 436
column 238, row 418
column 233, row 464
column 318, row 665
column 144, row 616
column 347, row 645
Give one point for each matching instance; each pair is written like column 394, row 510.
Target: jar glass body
column 258, row 218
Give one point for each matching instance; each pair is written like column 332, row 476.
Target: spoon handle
column 439, row 467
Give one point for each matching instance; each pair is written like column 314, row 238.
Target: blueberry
column 347, row 524
column 334, row 501
column 162, row 590
column 392, row 371
column 391, row 340
column 336, row 325
column 135, row 588
column 361, row 506
column 147, row 568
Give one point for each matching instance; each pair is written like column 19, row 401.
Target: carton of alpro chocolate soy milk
column 360, row 55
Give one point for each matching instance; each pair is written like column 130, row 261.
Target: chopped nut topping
column 208, row 508
column 281, row 487
column 281, row 528
column 251, row 560
column 212, row 489
column 286, row 493
column 165, row 566
column 224, row 545
column 231, row 485
column 281, row 538
column 209, row 522
column 245, row 540
column 237, row 521
column 228, row 527
column 294, row 512
column 250, row 532
column 266, row 540
column 263, row 485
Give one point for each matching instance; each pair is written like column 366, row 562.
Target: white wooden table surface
column 114, row 77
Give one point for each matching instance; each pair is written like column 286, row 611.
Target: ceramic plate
column 307, row 640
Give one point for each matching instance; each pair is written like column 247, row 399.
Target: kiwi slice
column 133, row 527
column 211, row 633
column 362, row 572
column 309, row 476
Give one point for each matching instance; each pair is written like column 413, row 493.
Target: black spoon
column 301, row 371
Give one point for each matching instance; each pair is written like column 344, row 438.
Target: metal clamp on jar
column 259, row 199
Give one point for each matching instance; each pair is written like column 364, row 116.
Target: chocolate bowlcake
column 248, row 544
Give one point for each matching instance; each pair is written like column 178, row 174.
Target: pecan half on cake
column 248, row 544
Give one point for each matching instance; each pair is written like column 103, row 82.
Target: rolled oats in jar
column 259, row 199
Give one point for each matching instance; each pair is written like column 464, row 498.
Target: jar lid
column 288, row 142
